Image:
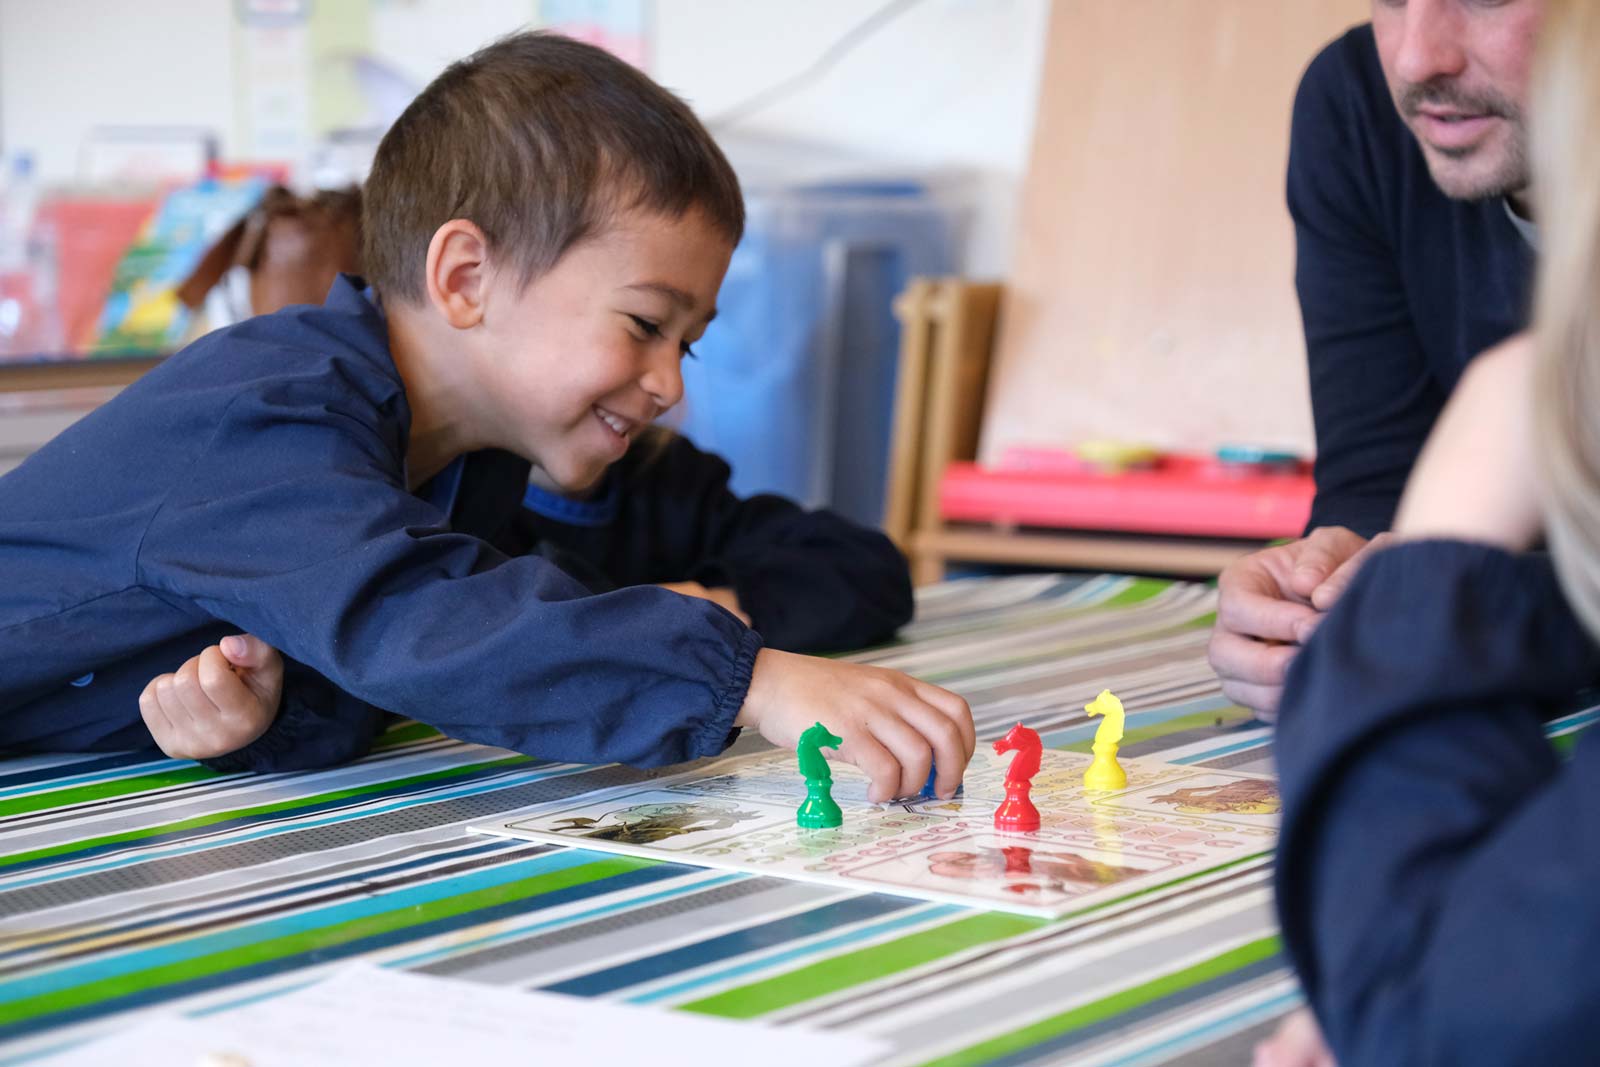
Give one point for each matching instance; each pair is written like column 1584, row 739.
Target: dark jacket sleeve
column 1373, row 399
column 295, row 525
column 317, row 726
column 1438, row 865
column 809, row 580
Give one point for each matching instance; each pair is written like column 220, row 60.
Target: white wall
column 947, row 87
column 69, row 65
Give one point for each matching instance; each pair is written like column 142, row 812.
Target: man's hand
column 216, row 703
column 894, row 727
column 1269, row 602
column 1476, row 479
column 719, row 595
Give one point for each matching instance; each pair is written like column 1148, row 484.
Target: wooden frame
column 947, row 340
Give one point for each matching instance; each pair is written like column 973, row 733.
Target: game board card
column 1170, row 824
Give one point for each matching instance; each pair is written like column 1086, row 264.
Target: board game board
column 1171, row 822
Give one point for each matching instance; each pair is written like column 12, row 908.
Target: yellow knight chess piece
column 1105, row 773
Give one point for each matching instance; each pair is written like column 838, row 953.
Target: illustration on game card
column 1219, row 797
column 1000, row 870
column 646, row 824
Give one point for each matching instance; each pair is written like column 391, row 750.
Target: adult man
column 1407, row 173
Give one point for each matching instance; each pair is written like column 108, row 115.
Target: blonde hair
column 1565, row 141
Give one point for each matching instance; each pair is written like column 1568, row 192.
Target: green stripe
column 313, row 940
column 83, row 794
column 1225, row 716
column 1138, row 591
column 1111, row 1006
column 862, row 966
column 212, row 818
column 404, row 734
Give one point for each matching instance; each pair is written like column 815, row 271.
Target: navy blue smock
column 256, row 482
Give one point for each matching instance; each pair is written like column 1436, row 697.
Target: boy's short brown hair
column 538, row 140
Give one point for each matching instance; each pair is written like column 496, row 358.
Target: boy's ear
column 457, row 272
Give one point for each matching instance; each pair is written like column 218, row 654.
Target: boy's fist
column 216, row 703
column 893, row 725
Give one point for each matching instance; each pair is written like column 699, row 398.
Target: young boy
column 545, row 232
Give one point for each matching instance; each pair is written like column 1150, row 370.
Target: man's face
column 1458, row 72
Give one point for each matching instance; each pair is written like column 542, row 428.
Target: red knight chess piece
column 1017, row 814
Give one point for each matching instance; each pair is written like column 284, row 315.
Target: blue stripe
column 462, row 948
column 1232, row 1023
column 318, row 918
column 333, row 953
column 286, row 821
column 1239, row 746
column 1050, row 1049
column 112, row 766
column 735, row 943
column 364, row 885
column 852, row 937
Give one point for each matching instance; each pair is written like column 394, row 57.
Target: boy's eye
column 650, row 329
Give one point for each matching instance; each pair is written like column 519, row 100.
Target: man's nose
column 1433, row 45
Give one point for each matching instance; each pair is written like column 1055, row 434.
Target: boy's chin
column 568, row 482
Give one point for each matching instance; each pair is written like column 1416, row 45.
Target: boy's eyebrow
column 672, row 293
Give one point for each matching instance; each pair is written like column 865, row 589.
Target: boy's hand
column 216, row 703
column 894, row 726
column 718, row 595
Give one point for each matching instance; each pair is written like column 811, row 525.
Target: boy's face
column 585, row 356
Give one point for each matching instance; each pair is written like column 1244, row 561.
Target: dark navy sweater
column 1400, row 287
column 256, row 482
column 1438, row 866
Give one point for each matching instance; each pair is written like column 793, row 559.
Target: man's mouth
column 1449, row 129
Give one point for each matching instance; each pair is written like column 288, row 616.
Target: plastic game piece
column 1016, row 814
column 818, row 811
column 1105, row 773
column 928, row 791
column 1107, row 455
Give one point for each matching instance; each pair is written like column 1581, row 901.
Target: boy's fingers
column 876, row 762
column 950, row 754
column 954, row 707
column 155, row 716
column 910, row 749
column 246, row 651
column 226, row 691
column 190, row 697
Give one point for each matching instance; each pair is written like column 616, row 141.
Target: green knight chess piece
column 818, row 811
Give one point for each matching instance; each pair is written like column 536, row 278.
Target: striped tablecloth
column 129, row 884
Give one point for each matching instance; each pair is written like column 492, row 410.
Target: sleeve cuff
column 717, row 732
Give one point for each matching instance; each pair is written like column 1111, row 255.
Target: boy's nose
column 663, row 378
column 1433, row 45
